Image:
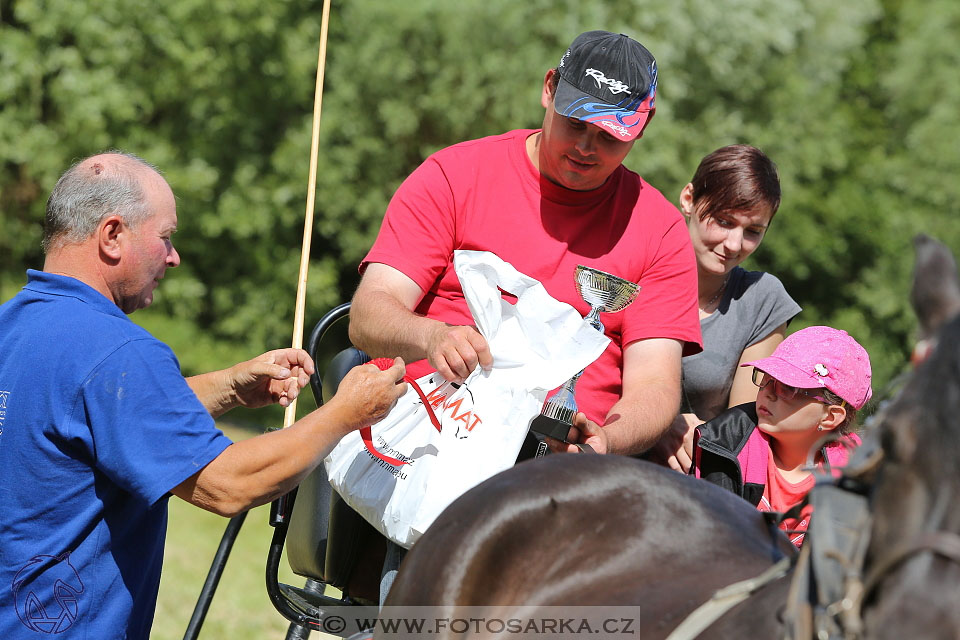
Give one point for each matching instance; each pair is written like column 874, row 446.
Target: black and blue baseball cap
column 609, row 80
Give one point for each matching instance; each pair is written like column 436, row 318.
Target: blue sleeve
column 149, row 430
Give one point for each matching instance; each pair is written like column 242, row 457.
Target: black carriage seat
column 327, row 540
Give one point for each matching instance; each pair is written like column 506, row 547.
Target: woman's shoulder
column 758, row 294
column 742, row 280
column 757, row 287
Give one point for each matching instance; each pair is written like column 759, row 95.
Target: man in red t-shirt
column 545, row 201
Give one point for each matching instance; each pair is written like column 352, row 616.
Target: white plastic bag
column 536, row 343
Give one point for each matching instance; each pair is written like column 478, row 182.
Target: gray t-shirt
column 753, row 305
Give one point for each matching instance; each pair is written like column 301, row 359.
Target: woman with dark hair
column 728, row 206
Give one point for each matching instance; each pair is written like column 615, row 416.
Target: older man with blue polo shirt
column 98, row 426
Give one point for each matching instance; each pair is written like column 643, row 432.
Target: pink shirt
column 780, row 495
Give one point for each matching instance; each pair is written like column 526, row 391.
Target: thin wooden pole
column 290, row 415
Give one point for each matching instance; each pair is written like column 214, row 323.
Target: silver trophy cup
column 605, row 293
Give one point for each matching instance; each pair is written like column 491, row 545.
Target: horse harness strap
column 828, row 588
column 943, row 543
column 827, row 585
column 828, row 580
column 725, row 599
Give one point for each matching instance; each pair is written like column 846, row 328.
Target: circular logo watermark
column 46, row 592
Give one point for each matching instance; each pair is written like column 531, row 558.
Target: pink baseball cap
column 821, row 357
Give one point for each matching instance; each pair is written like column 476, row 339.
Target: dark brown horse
column 917, row 488
column 590, row 530
column 582, row 530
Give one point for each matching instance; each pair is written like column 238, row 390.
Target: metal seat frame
column 344, row 555
column 330, row 543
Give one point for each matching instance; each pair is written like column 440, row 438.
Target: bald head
column 94, row 188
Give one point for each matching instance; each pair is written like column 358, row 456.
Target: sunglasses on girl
column 784, row 391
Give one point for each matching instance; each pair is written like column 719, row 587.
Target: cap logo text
column 617, row 128
column 615, row 86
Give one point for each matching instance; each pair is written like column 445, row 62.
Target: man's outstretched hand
column 367, row 393
column 275, row 377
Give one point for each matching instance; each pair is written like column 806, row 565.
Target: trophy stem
column 604, row 292
column 594, row 319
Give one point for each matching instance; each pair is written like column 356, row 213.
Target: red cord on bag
column 367, row 435
column 382, row 363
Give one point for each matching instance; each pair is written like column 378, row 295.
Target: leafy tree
column 856, row 102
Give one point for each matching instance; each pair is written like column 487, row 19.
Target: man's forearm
column 633, row 426
column 381, row 326
column 214, row 390
column 255, row 471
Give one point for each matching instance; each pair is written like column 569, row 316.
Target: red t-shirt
column 486, row 195
column 779, row 495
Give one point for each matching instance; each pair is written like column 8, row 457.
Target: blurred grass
column 240, row 609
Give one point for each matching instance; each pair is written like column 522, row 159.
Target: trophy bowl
column 604, row 291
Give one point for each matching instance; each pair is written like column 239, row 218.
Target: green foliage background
column 856, row 101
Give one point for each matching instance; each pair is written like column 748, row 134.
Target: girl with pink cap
column 810, row 388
